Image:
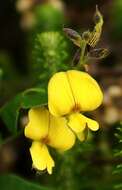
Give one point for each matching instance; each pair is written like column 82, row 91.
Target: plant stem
column 82, row 56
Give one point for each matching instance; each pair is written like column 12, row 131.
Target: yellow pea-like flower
column 78, row 123
column 46, row 130
column 72, row 92
column 41, row 157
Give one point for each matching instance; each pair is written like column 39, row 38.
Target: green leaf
column 13, row 182
column 27, row 99
column 34, row 97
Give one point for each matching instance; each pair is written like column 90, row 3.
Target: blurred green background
column 27, row 59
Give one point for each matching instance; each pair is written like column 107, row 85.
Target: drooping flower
column 44, row 129
column 72, row 92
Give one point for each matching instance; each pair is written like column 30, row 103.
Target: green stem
column 82, row 56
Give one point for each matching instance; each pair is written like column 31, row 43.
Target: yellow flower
column 72, row 92
column 45, row 129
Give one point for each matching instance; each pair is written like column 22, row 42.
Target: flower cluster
column 70, row 94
